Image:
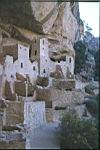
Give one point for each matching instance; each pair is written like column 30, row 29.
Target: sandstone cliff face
column 57, row 19
column 61, row 20
column 41, row 10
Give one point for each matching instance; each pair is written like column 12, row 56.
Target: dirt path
column 44, row 137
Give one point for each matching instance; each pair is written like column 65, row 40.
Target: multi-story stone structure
column 40, row 53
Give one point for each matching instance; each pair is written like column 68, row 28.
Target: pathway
column 80, row 84
column 44, row 137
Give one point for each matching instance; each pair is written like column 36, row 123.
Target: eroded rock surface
column 59, row 19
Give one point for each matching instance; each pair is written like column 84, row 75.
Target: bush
column 92, row 107
column 78, row 134
column 97, row 65
column 80, row 49
column 89, row 90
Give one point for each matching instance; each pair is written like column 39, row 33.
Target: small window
column 43, row 41
column 25, row 49
column 35, row 52
column 46, row 60
column 21, row 65
column 34, row 68
column 12, row 76
column 35, row 41
column 44, row 71
column 69, row 60
column 58, row 61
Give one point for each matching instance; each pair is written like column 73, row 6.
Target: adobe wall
column 44, row 58
column 9, row 68
column 70, row 64
column 35, row 50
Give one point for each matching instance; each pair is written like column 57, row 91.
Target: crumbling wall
column 14, row 113
column 12, row 144
column 63, row 84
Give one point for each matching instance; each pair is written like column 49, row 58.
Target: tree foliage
column 76, row 133
column 89, row 29
column 97, row 64
column 80, row 49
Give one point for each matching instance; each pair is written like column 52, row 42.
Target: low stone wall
column 12, row 136
column 60, row 98
column 63, row 84
column 43, row 94
column 14, row 112
column 12, row 144
column 54, row 115
column 68, row 98
column 20, row 89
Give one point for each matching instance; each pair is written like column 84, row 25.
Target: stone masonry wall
column 60, row 97
column 15, row 113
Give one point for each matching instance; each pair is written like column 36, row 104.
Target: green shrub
column 96, row 56
column 80, row 49
column 89, row 90
column 78, row 134
column 92, row 107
